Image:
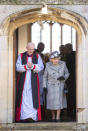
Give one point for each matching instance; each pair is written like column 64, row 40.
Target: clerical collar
column 29, row 55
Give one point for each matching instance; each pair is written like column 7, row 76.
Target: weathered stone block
column 63, row 2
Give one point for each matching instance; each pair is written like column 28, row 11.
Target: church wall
column 3, row 78
column 22, row 39
column 46, row 1
column 6, row 62
column 24, row 36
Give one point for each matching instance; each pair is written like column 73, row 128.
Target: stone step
column 44, row 126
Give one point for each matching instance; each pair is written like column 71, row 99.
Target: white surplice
column 27, row 109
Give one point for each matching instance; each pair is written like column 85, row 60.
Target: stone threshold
column 52, row 126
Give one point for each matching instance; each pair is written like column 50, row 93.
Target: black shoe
column 53, row 120
column 58, row 120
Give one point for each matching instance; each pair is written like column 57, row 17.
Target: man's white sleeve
column 19, row 66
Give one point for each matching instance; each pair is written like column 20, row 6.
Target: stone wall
column 76, row 19
column 69, row 2
column 6, row 10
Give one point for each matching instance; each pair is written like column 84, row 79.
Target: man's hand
column 30, row 65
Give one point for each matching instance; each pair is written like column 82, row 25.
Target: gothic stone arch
column 7, row 29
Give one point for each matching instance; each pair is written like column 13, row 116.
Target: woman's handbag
column 65, row 89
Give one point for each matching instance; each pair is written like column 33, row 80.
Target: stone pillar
column 82, row 80
column 10, row 81
column 85, row 79
column 79, row 79
column 4, row 78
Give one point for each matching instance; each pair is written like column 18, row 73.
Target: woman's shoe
column 53, row 120
column 58, row 120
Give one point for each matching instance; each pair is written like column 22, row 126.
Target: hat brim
column 54, row 57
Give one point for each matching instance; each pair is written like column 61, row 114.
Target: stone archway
column 7, row 29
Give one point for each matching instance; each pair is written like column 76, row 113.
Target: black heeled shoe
column 58, row 120
column 53, row 120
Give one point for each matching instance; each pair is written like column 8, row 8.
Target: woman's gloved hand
column 45, row 90
column 61, row 78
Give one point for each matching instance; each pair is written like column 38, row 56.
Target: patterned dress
column 56, row 99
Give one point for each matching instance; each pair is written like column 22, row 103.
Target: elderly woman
column 55, row 75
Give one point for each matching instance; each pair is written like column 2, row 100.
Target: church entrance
column 56, row 37
column 18, row 28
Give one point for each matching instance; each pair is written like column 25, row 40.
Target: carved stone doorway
column 54, row 14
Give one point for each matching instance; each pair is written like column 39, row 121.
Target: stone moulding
column 52, row 2
column 32, row 15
